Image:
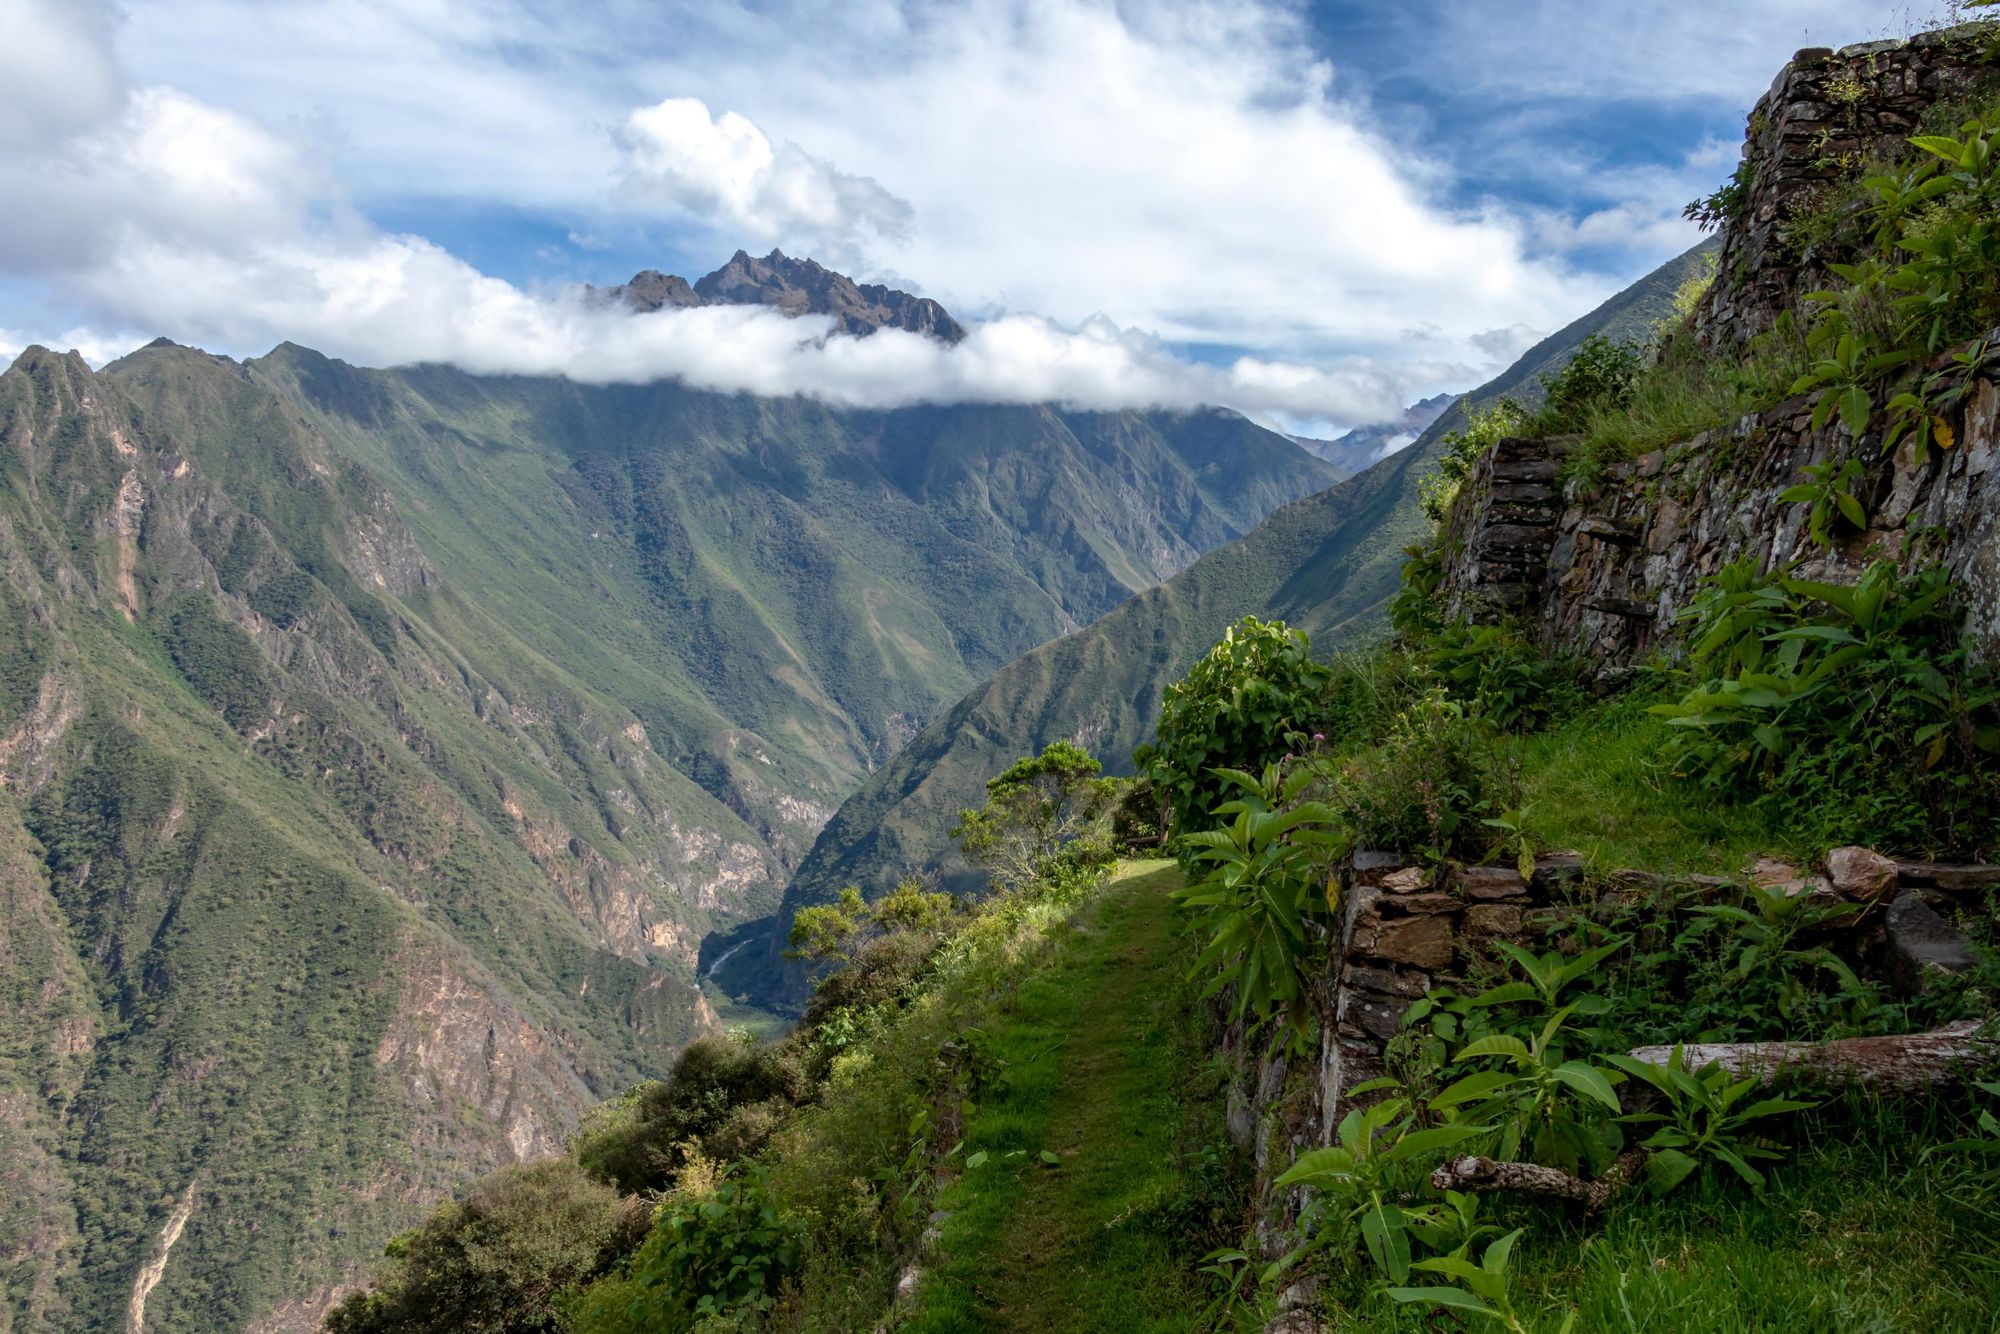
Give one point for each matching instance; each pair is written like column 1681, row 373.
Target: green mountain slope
column 378, row 748
column 1326, row 563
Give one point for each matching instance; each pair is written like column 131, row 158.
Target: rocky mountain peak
column 796, row 287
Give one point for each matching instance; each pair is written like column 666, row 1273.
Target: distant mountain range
column 379, row 747
column 796, row 287
column 1327, row 564
column 1367, row 445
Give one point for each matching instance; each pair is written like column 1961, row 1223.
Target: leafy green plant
column 1709, row 1113
column 1829, row 491
column 1765, row 968
column 1600, row 376
column 1501, row 675
column 1265, row 871
column 1562, row 1109
column 1919, row 412
column 1034, row 808
column 1846, row 364
column 1483, row 1289
column 1233, row 710
column 714, row 1258
column 1484, row 428
column 1856, row 699
column 1379, row 1154
column 1727, row 203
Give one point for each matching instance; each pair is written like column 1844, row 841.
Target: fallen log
column 1476, row 1173
column 1907, row 1063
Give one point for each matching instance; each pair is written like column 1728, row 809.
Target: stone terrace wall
column 1828, row 113
column 1602, row 570
column 1406, row 928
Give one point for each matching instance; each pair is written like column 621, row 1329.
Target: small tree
column 824, row 930
column 1233, row 710
column 1040, row 804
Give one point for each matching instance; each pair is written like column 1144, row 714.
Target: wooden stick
column 1908, row 1063
column 1475, row 1173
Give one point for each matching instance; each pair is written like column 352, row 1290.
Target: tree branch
column 1475, row 1173
column 1908, row 1063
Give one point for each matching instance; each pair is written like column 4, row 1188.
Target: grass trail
column 1095, row 1072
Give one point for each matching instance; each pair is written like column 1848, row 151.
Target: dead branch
column 1474, row 1173
column 1908, row 1063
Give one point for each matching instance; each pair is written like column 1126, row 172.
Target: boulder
column 1921, row 944
column 1860, row 873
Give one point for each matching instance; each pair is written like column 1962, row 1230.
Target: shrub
column 285, row 600
column 1599, row 377
column 1484, row 428
column 219, row 660
column 1137, row 819
column 498, row 1260
column 716, row 1259
column 1036, row 806
column 1233, row 710
column 1857, row 710
column 1427, row 786
column 1501, row 677
column 641, row 1149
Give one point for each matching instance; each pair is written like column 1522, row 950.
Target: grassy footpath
column 1096, row 1069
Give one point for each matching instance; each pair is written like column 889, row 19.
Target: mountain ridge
column 795, row 287
column 378, row 748
column 1326, row 563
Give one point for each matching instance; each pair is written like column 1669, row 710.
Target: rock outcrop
column 1827, row 113
column 796, row 287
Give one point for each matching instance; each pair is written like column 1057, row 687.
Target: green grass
column 1859, row 1232
column 1595, row 785
column 1095, row 1069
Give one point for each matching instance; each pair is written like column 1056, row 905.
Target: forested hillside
column 1327, row 564
column 380, row 747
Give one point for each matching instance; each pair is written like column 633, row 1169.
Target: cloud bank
column 1144, row 179
column 681, row 158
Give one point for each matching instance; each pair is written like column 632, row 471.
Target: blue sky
column 1310, row 213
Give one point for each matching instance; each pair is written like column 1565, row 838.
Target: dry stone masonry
column 1828, row 113
column 1601, row 569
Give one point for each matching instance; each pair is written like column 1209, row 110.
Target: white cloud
column 56, row 72
column 1394, row 444
column 726, row 168
column 96, row 346
column 179, row 217
column 1183, row 169
column 1503, row 347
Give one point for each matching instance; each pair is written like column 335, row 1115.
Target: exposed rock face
column 801, row 286
column 650, row 289
column 796, row 287
column 455, row 1043
column 1827, row 112
column 1602, row 570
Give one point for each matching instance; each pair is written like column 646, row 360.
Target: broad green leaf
column 1493, row 1044
column 1667, row 1168
column 1589, row 1081
column 1456, row 1298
